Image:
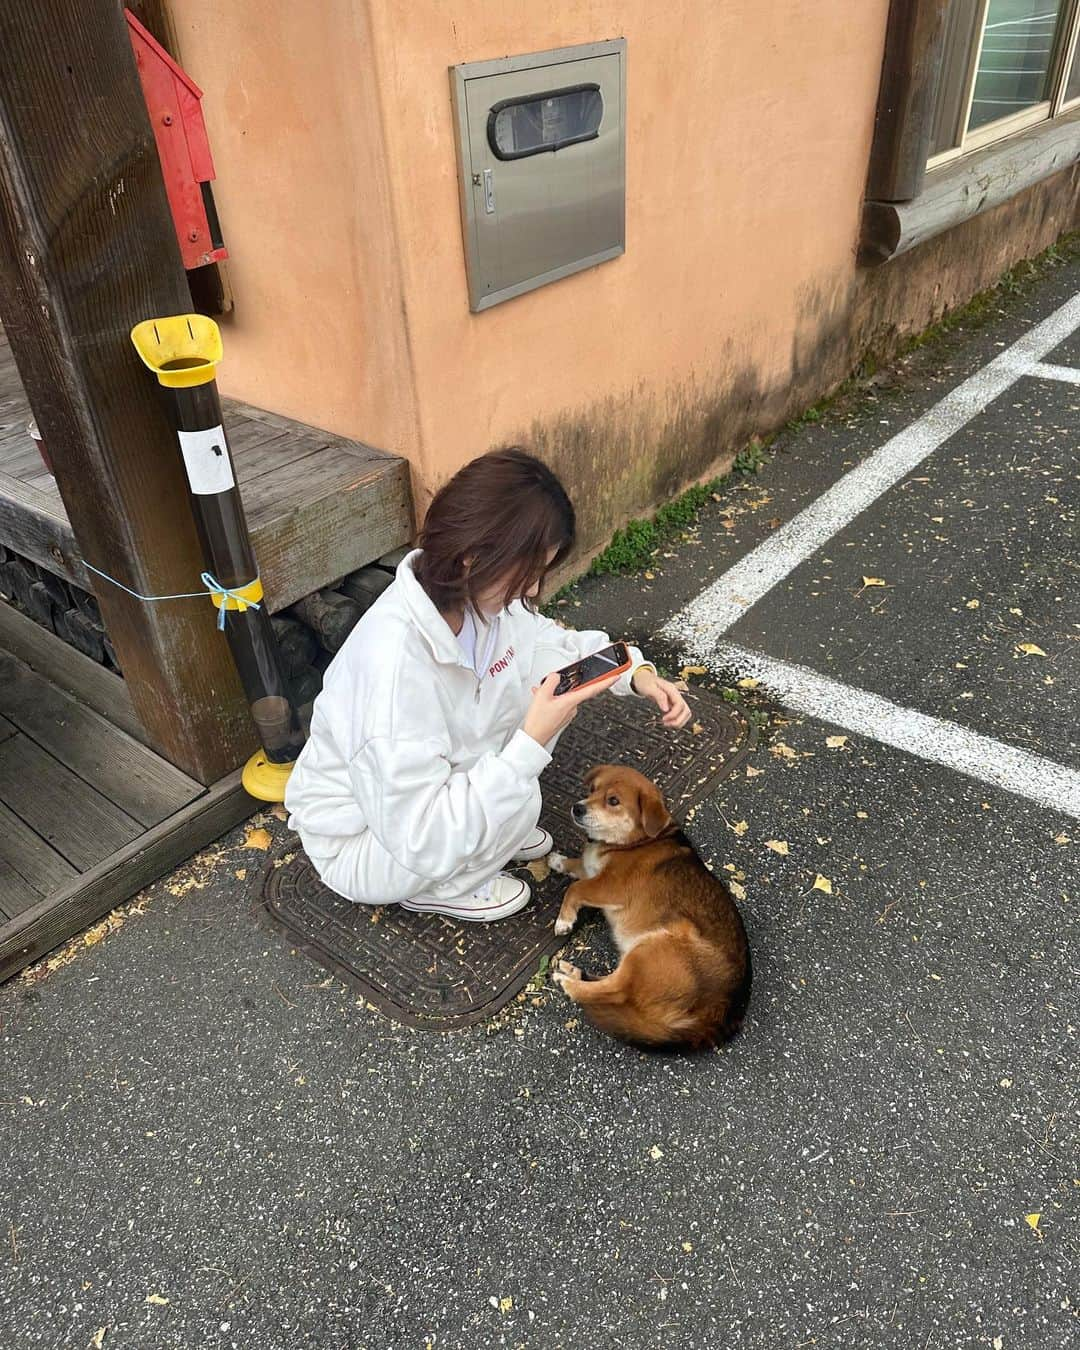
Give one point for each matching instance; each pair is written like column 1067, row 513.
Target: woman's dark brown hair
column 493, row 524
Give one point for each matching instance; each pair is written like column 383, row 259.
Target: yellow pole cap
column 182, row 349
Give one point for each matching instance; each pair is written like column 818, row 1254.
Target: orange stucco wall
column 738, row 299
column 747, row 144
column 747, row 136
column 303, row 191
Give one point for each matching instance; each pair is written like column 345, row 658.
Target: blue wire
column 213, row 587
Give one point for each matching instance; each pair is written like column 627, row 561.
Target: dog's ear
column 591, row 776
column 654, row 813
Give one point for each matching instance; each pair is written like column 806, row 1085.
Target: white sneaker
column 538, row 845
column 495, row 899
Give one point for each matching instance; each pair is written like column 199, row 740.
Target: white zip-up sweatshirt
column 416, row 766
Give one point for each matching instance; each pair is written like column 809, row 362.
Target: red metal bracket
column 173, row 102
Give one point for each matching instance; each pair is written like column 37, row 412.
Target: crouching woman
column 420, row 781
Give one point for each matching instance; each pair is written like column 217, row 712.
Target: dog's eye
column 613, row 801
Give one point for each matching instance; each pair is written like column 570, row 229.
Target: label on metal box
column 206, row 458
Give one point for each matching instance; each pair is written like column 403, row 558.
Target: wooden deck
column 88, row 815
column 318, row 505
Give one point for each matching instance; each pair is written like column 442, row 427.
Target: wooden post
column 914, row 44
column 87, row 249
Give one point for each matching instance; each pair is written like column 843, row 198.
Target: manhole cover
column 430, row 972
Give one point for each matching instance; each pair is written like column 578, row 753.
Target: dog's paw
column 563, row 926
column 557, row 862
column 562, row 972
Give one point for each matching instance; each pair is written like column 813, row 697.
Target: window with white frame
column 1007, row 65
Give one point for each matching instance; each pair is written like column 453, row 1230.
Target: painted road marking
column 1044, row 370
column 931, row 738
column 706, row 618
column 698, row 629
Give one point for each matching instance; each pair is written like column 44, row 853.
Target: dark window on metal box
column 541, row 122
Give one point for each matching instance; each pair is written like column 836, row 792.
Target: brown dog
column 684, row 977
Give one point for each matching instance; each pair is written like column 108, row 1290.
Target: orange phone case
column 607, row 674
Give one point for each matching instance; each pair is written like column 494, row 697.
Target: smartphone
column 613, row 660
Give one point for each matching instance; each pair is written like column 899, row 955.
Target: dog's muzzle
column 578, row 811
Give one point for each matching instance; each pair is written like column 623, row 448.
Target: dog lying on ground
column 684, row 977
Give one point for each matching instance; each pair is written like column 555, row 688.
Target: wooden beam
column 87, row 249
column 968, row 186
column 86, row 898
column 914, row 44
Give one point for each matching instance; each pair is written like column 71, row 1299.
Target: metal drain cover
column 428, row 971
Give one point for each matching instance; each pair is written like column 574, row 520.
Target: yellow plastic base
column 265, row 780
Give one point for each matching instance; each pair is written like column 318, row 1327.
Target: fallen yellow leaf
column 874, row 581
column 862, row 815
column 696, row 729
column 1018, row 612
column 257, row 839
column 749, row 683
column 973, row 604
column 740, row 827
column 278, row 812
column 687, row 671
column 783, row 751
column 1032, row 1221
column 751, row 772
column 687, row 1247
column 240, row 874
column 822, row 884
column 505, row 1304
column 1029, row 649
column 538, row 869
column 650, row 576
column 157, row 1300
column 739, row 892
column 1062, row 839
column 97, row 1340
column 835, row 742
column 777, row 846
column 656, row 1153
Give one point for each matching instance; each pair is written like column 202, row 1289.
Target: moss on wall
column 620, row 457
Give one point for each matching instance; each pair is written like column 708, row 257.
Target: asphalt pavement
column 206, row 1140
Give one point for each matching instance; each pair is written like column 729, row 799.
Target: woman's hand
column 548, row 715
column 663, row 693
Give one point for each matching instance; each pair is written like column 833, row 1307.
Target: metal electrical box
column 541, row 155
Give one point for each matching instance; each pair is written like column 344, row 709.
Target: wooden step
column 318, row 505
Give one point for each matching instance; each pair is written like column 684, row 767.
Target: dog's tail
column 628, row 1024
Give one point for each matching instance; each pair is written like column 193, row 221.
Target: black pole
column 183, row 352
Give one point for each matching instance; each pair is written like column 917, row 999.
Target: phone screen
column 604, row 662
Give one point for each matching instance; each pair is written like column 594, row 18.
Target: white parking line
column 931, row 738
column 706, row 618
column 698, row 629
column 1044, row 370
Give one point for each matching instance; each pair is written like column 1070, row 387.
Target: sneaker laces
column 484, row 892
